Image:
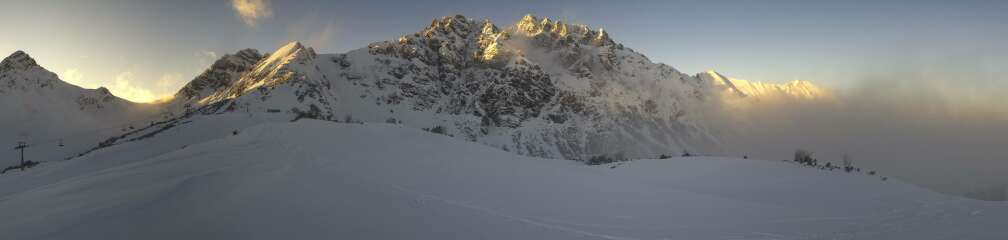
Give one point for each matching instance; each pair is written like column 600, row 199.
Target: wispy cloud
column 206, row 55
column 252, row 11
column 314, row 31
column 73, row 75
column 124, row 86
column 168, row 80
column 324, row 39
column 205, row 59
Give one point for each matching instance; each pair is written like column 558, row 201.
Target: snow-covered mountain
column 537, row 87
column 797, row 89
column 46, row 112
column 221, row 74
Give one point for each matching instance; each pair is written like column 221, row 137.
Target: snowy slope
column 44, row 111
column 383, row 181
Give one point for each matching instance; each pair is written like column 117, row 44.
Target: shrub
column 600, row 159
column 439, row 130
column 27, row 164
column 848, row 165
column 314, row 112
column 804, row 157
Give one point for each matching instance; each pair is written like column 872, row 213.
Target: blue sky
column 142, row 50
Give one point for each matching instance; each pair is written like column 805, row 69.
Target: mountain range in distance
column 538, row 87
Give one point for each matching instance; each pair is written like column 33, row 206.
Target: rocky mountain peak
column 290, row 47
column 448, row 22
column 289, row 62
column 291, row 52
column 18, row 60
column 454, row 28
column 248, row 54
column 238, row 61
column 20, row 71
column 103, row 91
column 529, row 24
column 533, row 26
column 221, row 74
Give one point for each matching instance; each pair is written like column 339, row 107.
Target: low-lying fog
column 930, row 133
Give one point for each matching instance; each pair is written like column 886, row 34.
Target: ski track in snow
column 507, row 216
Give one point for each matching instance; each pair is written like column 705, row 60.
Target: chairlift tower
column 21, row 146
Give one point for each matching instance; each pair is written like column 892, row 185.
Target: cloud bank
column 252, row 11
column 125, row 86
column 912, row 129
column 73, row 76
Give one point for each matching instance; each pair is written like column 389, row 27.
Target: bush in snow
column 313, row 113
column 600, row 159
column 27, row 164
column 438, row 129
column 804, row 157
column 848, row 165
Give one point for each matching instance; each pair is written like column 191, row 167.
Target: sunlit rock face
column 219, row 76
column 536, row 87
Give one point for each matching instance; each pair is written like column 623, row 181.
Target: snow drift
column 381, row 181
